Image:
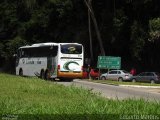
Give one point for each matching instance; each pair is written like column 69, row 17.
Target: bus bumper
column 69, row 75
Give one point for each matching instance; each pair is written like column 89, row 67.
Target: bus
column 50, row 60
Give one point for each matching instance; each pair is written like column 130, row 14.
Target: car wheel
column 120, row 79
column 152, row 81
column 133, row 80
column 103, row 78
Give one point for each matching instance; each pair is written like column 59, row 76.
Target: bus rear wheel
column 21, row 72
column 47, row 75
column 42, row 75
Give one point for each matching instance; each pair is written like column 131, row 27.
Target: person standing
column 133, row 71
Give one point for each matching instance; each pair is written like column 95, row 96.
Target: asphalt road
column 117, row 92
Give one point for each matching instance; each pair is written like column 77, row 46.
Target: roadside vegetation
column 33, row 98
column 113, row 82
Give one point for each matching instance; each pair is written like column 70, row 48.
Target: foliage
column 119, row 21
column 137, row 39
column 36, row 21
column 1, row 48
column 154, row 26
column 8, row 20
column 13, row 45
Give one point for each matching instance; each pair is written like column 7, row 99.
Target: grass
column 122, row 83
column 33, row 98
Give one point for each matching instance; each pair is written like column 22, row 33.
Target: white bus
column 50, row 60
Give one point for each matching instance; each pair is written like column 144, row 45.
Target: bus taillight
column 58, row 67
column 82, row 68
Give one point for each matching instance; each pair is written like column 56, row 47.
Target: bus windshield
column 71, row 49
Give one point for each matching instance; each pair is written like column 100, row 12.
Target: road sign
column 109, row 62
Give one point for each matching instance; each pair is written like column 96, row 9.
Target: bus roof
column 46, row 44
column 69, row 43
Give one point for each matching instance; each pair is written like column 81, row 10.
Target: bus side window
column 53, row 51
column 18, row 53
column 25, row 52
column 36, row 52
column 22, row 53
column 29, row 53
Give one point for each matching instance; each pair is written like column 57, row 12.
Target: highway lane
column 116, row 92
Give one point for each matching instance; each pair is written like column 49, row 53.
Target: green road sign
column 109, row 62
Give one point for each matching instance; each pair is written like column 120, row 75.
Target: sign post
column 109, row 62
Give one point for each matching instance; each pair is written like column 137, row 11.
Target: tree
column 154, row 29
column 126, row 28
column 90, row 32
column 137, row 40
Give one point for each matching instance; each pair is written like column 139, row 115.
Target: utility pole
column 90, row 32
column 90, row 9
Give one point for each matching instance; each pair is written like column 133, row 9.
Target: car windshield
column 142, row 74
column 125, row 71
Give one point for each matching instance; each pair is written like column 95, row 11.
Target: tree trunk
column 90, row 32
column 96, row 27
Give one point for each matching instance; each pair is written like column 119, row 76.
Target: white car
column 119, row 75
